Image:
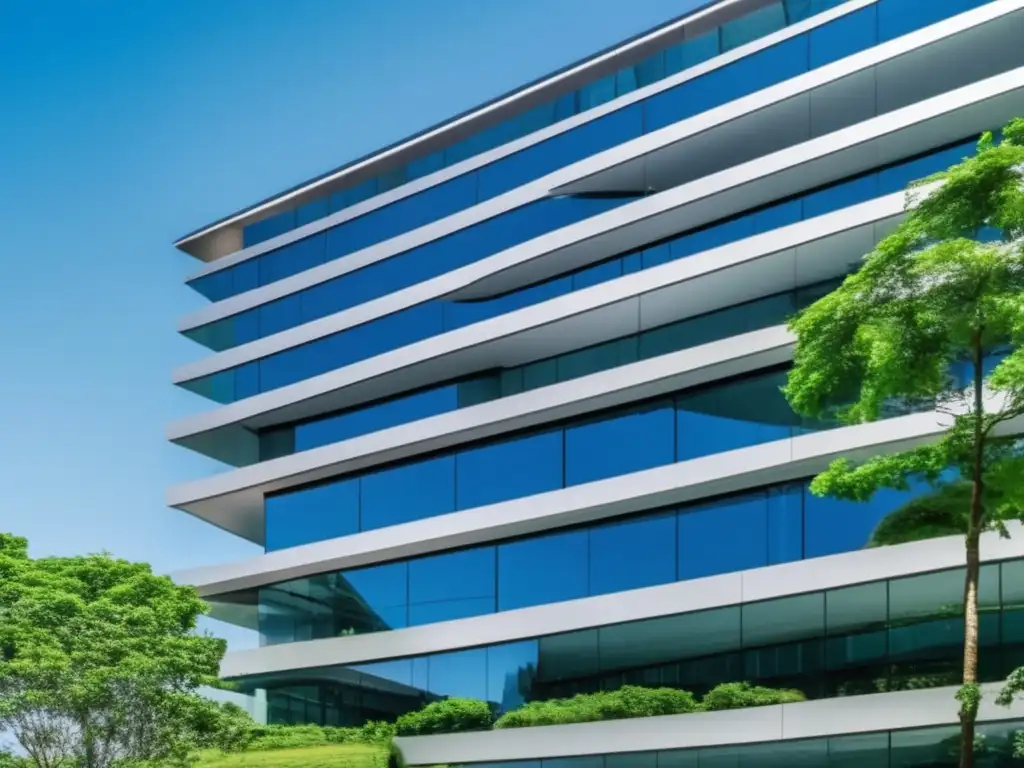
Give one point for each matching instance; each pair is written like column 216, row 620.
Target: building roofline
column 521, row 91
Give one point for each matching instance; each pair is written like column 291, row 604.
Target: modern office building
column 501, row 401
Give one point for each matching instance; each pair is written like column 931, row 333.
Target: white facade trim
column 785, row 722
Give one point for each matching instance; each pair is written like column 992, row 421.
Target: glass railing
column 857, row 31
column 435, row 317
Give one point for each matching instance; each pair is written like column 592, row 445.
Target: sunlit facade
column 502, row 404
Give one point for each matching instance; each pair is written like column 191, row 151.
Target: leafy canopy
column 935, row 298
column 100, row 661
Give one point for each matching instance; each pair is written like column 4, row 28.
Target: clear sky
column 125, row 124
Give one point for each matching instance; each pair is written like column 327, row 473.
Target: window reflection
column 787, row 642
column 609, row 444
column 739, row 532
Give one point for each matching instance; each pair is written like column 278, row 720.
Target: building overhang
column 879, row 80
column 776, row 261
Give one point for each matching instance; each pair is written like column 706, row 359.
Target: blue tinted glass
column 545, row 569
column 511, row 668
column 510, row 469
column 753, row 25
column 279, row 315
column 596, row 94
column 452, row 586
column 899, row 17
column 619, row 445
column 633, row 554
column 463, row 673
column 215, row 286
column 333, row 429
column 313, row 514
column 409, row 492
column 785, row 524
column 898, row 177
column 311, row 211
column 845, row 36
column 840, row 196
column 381, row 592
column 736, row 414
column 267, row 228
column 740, row 522
column 833, row 525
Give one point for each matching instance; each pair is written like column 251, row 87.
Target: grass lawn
column 329, row 756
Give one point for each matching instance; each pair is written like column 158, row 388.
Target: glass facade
column 703, row 329
column 852, row 33
column 882, row 636
column 772, row 525
column 915, row 748
column 696, row 422
column 439, row 316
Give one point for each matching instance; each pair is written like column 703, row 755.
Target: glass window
column 523, row 581
column 511, row 670
column 844, row 37
column 362, row 421
column 375, row 597
column 736, row 414
column 632, row 554
column 509, row 469
column 459, row 674
column 900, row 17
column 834, row 525
column 452, row 585
column 753, row 26
column 619, row 445
column 312, row 514
column 409, row 492
column 741, row 521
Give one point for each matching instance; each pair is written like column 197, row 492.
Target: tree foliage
column 934, row 317
column 100, row 662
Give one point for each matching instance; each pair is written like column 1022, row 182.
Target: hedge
column 742, row 695
column 628, row 701
column 446, row 716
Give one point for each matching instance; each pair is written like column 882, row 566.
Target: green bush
column 267, row 737
column 740, row 695
column 447, row 716
column 627, row 702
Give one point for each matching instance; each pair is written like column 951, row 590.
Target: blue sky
column 127, row 123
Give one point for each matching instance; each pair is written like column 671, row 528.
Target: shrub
column 447, row 716
column 739, row 695
column 627, row 702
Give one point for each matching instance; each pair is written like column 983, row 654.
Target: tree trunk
column 969, row 703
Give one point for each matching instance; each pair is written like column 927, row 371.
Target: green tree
column 931, row 299
column 100, row 662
